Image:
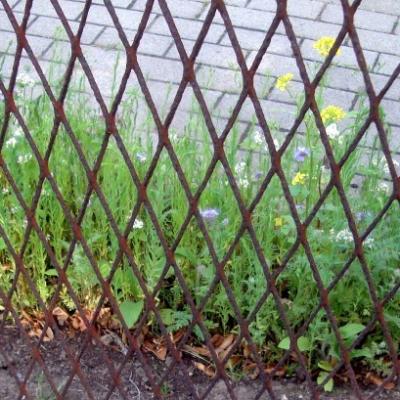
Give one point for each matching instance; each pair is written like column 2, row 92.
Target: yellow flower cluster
column 278, row 222
column 283, row 81
column 332, row 114
column 324, row 45
column 299, row 179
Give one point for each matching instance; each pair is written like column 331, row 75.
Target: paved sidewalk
column 377, row 22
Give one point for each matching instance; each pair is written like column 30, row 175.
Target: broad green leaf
column 303, row 343
column 328, row 387
column 351, row 330
column 284, row 344
column 131, row 310
column 51, row 272
column 325, row 365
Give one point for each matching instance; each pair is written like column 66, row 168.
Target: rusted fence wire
column 109, row 114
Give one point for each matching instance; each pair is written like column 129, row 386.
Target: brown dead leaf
column 60, row 315
column 77, row 323
column 251, row 370
column 226, row 342
column 378, row 381
column 206, row 369
column 216, row 340
column 280, row 372
column 197, row 350
column 159, row 350
column 49, row 336
column 177, row 336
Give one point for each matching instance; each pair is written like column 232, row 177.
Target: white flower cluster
column 386, row 166
column 346, row 236
column 25, row 80
column 14, row 137
column 138, row 224
column 260, row 140
column 24, row 158
column 334, row 133
column 240, row 170
column 384, row 187
column 343, row 236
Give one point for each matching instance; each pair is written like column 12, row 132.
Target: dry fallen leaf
column 226, row 342
column 206, row 369
column 49, row 335
column 251, row 370
column 378, row 381
column 159, row 350
column 60, row 315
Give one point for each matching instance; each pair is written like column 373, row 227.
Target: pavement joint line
column 240, row 7
column 200, row 65
column 395, row 25
column 92, row 43
column 149, row 26
column 319, row 16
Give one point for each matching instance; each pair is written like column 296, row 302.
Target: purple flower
column 210, row 214
column 258, row 175
column 301, row 153
column 362, row 215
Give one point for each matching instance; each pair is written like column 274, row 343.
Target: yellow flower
column 283, row 81
column 299, row 179
column 324, row 45
column 332, row 114
column 278, row 222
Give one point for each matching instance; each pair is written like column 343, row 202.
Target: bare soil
column 16, row 360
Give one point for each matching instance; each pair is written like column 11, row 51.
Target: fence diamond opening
column 51, row 323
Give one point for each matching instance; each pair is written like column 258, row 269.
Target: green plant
column 306, row 172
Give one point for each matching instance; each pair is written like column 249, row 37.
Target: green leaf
column 168, row 316
column 51, row 272
column 131, row 310
column 351, row 330
column 328, row 387
column 325, row 365
column 284, row 344
column 303, row 343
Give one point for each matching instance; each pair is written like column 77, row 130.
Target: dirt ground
column 133, row 379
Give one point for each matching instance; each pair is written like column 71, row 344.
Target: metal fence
column 109, row 114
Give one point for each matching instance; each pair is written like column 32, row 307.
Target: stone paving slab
column 377, row 24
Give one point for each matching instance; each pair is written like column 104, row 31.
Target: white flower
column 18, row 132
column 368, row 242
column 332, row 131
column 239, row 168
column 244, row 183
column 24, row 158
column 259, row 138
column 173, row 137
column 138, row 224
column 386, row 166
column 344, row 236
column 25, row 80
column 11, row 142
column 384, row 187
